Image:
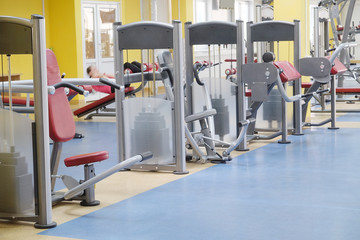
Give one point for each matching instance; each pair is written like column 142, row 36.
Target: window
column 206, row 10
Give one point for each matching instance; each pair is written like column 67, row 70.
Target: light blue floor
column 307, row 190
column 349, row 117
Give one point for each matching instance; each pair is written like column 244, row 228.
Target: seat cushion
column 86, row 158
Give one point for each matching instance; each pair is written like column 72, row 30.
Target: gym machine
column 151, row 123
column 213, row 105
column 343, row 33
column 25, row 190
column 262, row 77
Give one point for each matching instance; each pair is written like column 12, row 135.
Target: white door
column 98, row 43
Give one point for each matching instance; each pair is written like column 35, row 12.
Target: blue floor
column 307, row 190
column 349, row 117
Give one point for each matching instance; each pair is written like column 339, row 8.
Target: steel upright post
column 297, row 83
column 259, row 45
column 179, row 100
column 240, row 60
column 316, row 32
column 189, row 72
column 41, row 123
column 119, row 95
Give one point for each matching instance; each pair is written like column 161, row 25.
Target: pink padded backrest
column 61, row 122
column 289, row 71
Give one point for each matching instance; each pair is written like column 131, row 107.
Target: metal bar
column 297, row 83
column 11, row 116
column 318, row 124
column 240, row 97
column 284, row 121
column 54, row 161
column 119, row 95
column 316, row 32
column 179, row 100
column 26, row 89
column 333, row 104
column 250, row 44
column 259, row 52
column 189, row 73
column 42, row 123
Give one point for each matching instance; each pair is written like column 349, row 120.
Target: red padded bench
column 17, row 101
column 102, row 102
column 347, row 90
column 289, row 72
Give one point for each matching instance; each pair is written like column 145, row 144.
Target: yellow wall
column 186, row 10
column 285, row 10
column 20, row 64
column 61, row 17
column 130, row 11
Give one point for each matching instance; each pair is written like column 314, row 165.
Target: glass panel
column 107, row 17
column 149, row 127
column 89, row 32
column 16, row 166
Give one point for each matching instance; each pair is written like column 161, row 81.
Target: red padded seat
column 289, row 72
column 17, row 101
column 306, row 85
column 86, row 158
column 338, row 67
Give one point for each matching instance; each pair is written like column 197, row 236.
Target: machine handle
column 196, row 74
column 146, row 155
column 317, row 92
column 109, row 83
column 71, row 86
column 246, row 122
column 171, row 77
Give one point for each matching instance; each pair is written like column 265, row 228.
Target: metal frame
column 11, row 26
column 271, row 31
column 207, row 33
column 159, row 36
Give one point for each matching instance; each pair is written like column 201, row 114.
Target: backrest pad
column 61, row 122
